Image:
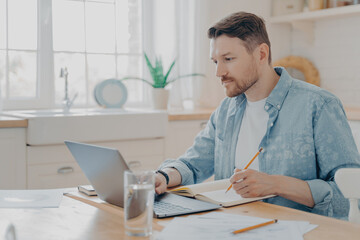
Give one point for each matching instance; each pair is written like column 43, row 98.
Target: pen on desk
column 250, row 162
column 255, row 226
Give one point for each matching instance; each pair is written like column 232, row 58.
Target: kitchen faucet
column 67, row 103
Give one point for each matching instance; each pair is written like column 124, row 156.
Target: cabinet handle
column 134, row 164
column 65, row 170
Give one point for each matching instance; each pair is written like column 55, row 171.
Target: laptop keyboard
column 165, row 207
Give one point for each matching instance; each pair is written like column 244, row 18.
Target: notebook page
column 222, row 197
column 204, row 187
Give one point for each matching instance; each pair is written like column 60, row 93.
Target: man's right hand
column 160, row 184
column 160, row 180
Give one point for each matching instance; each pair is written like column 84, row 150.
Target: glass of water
column 138, row 202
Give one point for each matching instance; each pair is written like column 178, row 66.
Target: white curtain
column 182, row 91
column 173, row 37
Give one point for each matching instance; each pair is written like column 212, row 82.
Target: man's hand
column 250, row 183
column 160, row 183
column 160, row 180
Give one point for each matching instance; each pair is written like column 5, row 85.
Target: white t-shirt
column 252, row 131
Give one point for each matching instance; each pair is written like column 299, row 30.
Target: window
column 18, row 49
column 94, row 39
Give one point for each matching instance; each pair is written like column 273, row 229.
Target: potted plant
column 159, row 81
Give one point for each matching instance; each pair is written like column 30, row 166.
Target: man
column 302, row 128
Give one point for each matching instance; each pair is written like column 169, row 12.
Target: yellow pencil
column 250, row 162
column 255, row 226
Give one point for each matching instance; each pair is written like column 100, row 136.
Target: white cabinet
column 52, row 166
column 180, row 136
column 138, row 134
column 13, row 158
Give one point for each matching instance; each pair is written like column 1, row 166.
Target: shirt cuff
column 321, row 191
column 187, row 176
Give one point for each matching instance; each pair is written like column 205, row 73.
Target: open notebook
column 214, row 192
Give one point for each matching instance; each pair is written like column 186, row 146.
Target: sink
column 92, row 124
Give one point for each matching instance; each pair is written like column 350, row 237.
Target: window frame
column 45, row 75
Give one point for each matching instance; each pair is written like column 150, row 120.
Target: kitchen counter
column 204, row 114
column 353, row 114
column 191, row 114
column 12, row 122
column 173, row 115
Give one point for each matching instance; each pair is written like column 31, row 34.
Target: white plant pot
column 160, row 98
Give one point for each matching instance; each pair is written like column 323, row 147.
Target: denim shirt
column 308, row 137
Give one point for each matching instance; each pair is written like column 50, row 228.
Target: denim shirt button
column 278, row 106
column 266, row 107
column 271, row 124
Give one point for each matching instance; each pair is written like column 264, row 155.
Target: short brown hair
column 246, row 26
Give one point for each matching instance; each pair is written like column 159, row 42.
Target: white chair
column 348, row 181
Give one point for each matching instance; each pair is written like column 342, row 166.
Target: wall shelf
column 305, row 21
column 317, row 15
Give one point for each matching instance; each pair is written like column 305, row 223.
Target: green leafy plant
column 157, row 73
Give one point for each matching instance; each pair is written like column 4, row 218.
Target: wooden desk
column 72, row 220
column 80, row 217
column 328, row 228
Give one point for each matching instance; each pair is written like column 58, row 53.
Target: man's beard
column 240, row 89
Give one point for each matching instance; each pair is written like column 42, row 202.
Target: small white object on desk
column 7, row 230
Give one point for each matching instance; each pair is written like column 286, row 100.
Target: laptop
column 104, row 168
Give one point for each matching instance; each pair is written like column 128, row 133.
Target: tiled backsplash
column 335, row 51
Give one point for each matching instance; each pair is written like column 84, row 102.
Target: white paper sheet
column 221, row 225
column 47, row 198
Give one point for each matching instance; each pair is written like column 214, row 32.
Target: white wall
column 335, row 52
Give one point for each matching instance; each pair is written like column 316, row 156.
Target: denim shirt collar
column 235, row 104
column 277, row 95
